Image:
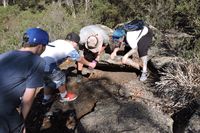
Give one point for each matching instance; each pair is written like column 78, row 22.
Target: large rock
column 111, row 116
column 120, row 109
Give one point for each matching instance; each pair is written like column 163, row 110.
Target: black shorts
column 144, row 43
column 89, row 56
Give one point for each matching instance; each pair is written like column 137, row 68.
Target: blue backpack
column 130, row 26
column 134, row 25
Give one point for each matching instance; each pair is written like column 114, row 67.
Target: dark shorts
column 11, row 123
column 144, row 43
column 89, row 56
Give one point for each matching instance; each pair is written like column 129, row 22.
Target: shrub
column 179, row 84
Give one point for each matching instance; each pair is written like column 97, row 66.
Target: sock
column 47, row 97
column 62, row 95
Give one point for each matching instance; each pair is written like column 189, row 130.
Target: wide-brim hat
column 94, row 43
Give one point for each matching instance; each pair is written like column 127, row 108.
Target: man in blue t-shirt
column 21, row 73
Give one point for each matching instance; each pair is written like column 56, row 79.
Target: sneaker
column 69, row 97
column 143, row 76
column 79, row 78
column 47, row 101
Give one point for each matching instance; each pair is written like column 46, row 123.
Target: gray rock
column 111, row 116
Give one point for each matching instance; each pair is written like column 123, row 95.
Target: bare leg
column 114, row 53
column 79, row 72
column 144, row 68
column 144, row 62
column 132, row 63
column 62, row 88
column 80, row 66
column 47, row 96
column 63, row 91
column 127, row 55
column 128, row 61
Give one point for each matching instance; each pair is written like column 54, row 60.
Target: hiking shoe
column 69, row 97
column 47, row 101
column 79, row 78
column 143, row 76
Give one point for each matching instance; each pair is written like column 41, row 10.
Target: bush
column 54, row 19
column 8, row 40
column 179, row 84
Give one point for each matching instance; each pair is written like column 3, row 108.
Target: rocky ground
column 111, row 99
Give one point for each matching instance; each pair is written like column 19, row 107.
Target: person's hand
column 93, row 64
column 112, row 56
column 97, row 58
column 124, row 59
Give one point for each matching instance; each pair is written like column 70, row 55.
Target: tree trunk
column 60, row 2
column 70, row 3
column 5, row 3
column 87, row 3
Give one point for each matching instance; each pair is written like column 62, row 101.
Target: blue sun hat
column 118, row 33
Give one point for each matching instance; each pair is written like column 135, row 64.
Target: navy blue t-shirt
column 18, row 70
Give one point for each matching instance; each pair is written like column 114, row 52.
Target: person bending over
column 94, row 40
column 21, row 73
column 54, row 77
column 139, row 41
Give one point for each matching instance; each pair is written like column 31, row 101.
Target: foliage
column 186, row 16
column 179, row 84
column 104, row 13
column 157, row 13
column 8, row 40
column 56, row 16
column 54, row 19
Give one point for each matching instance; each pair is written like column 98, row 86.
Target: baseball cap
column 73, row 37
column 36, row 36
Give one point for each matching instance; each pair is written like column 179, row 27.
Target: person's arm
column 82, row 60
column 74, row 55
column 100, row 53
column 27, row 101
column 117, row 48
column 114, row 53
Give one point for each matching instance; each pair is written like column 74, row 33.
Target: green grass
column 54, row 19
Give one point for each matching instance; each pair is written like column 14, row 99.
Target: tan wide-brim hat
column 94, row 43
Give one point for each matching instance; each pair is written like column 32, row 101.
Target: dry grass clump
column 179, row 84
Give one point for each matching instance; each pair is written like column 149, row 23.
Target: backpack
column 130, row 26
column 134, row 25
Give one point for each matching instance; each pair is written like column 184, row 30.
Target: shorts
column 144, row 43
column 55, row 79
column 89, row 56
